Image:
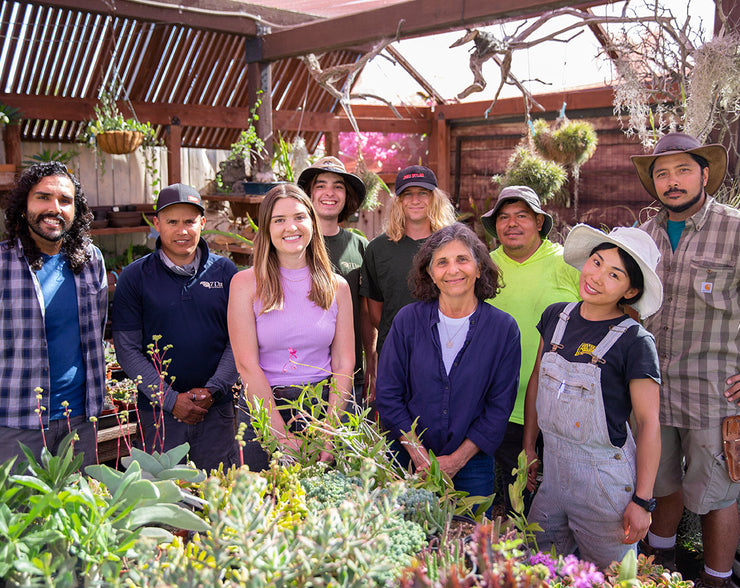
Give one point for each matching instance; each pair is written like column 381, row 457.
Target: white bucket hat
column 637, row 243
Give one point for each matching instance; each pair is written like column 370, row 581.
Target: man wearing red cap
column 697, row 332
column 418, row 209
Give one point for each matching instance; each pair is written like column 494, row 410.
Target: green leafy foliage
column 358, row 542
column 62, row 155
column 58, row 528
column 526, row 168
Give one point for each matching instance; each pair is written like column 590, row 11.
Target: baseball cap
column 415, row 175
column 177, row 194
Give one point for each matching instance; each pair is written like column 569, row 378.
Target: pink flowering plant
column 384, row 152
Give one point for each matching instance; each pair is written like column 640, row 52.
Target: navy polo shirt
column 189, row 312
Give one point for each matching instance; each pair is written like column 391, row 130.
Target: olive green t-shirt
column 346, row 252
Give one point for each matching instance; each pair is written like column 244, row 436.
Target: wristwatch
column 648, row 505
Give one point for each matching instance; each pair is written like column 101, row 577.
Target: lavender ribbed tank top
column 300, row 331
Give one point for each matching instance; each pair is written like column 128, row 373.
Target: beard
column 686, row 205
column 34, row 224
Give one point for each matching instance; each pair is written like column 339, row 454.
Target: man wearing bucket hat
column 418, row 209
column 595, row 367
column 534, row 276
column 698, row 336
column 337, row 195
column 180, row 293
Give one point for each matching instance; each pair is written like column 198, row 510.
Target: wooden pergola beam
column 582, row 99
column 235, row 20
column 414, row 73
column 370, row 118
column 409, row 19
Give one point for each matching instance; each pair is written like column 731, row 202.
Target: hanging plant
column 110, row 132
column 526, row 168
column 572, row 142
column 373, row 185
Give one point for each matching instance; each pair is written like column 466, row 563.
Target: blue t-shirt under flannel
column 67, row 369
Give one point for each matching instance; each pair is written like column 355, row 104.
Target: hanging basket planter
column 119, row 142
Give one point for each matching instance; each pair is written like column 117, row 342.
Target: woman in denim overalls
column 597, row 365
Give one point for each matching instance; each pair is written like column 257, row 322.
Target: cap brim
column 415, row 184
column 198, row 206
column 715, row 154
column 577, row 249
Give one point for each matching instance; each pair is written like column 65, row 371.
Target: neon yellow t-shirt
column 529, row 288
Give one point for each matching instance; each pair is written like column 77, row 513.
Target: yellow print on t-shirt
column 585, row 349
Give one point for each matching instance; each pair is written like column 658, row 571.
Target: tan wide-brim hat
column 674, row 143
column 637, row 243
column 335, row 166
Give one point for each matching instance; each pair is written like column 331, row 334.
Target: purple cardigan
column 477, row 397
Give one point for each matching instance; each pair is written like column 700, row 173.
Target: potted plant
column 112, row 132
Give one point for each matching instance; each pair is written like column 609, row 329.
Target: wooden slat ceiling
column 69, row 53
column 193, row 52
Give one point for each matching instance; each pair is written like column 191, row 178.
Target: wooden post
column 331, row 143
column 173, row 142
column 12, row 140
column 439, row 151
column 260, row 88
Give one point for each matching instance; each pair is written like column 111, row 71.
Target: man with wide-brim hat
column 697, row 332
column 534, row 277
column 336, row 195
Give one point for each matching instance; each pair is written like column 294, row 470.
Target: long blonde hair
column 267, row 266
column 441, row 214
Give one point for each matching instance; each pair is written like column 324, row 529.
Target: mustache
column 674, row 191
column 58, row 217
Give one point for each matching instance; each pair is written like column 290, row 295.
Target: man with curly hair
column 53, row 306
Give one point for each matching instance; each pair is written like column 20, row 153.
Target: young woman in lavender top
column 290, row 316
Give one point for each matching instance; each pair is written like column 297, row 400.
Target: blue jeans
column 476, row 477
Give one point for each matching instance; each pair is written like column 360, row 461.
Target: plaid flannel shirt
column 697, row 330
column 24, row 360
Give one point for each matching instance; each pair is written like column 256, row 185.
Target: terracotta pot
column 119, row 142
column 7, row 174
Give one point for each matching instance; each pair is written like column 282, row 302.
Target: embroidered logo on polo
column 212, row 285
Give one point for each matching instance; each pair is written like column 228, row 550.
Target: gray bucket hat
column 509, row 194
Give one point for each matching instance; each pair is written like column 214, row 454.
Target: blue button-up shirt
column 474, row 401
column 24, row 359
